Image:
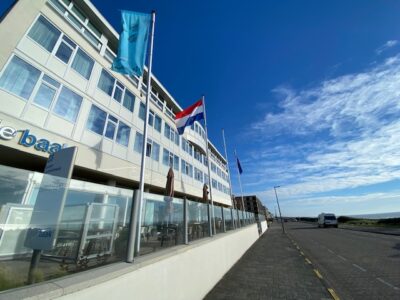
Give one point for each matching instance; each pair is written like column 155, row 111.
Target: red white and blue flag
column 187, row 117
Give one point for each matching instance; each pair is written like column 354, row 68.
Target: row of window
column 199, row 130
column 77, row 18
column 219, row 172
column 27, row 82
column 57, row 43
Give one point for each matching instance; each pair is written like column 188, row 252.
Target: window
column 65, row 50
column 206, row 179
column 214, row 183
column 123, row 134
column 186, row 168
column 96, row 120
column 157, row 123
column 118, row 92
column 46, row 92
column 106, row 83
column 198, row 175
column 151, row 118
column 83, row 64
column 152, row 149
column 44, row 33
column 213, row 167
column 167, row 130
column 171, row 160
column 112, row 123
column 68, row 104
column 138, row 142
column 19, row 78
column 197, row 155
column 172, row 135
column 142, row 111
column 129, row 100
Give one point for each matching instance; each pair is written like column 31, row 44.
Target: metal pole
column 240, row 184
column 185, row 220
column 279, row 208
column 209, row 166
column 229, row 173
column 146, row 119
column 133, row 227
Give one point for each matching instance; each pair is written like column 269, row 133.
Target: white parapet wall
column 183, row 272
column 264, row 226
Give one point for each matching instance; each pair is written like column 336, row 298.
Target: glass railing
column 219, row 222
column 198, row 226
column 75, row 225
column 162, row 223
column 78, row 225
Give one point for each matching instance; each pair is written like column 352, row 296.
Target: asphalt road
column 357, row 265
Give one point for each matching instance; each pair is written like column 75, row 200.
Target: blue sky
column 307, row 92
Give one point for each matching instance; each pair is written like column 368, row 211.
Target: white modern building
column 57, row 89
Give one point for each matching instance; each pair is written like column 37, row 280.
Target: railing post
column 223, row 219
column 210, row 233
column 185, row 220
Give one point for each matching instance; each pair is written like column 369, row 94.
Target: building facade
column 252, row 204
column 57, row 90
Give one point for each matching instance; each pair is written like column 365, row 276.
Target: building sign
column 28, row 139
column 49, row 205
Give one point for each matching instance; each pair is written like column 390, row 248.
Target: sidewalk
column 271, row 269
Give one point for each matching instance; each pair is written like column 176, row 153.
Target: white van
column 325, row 220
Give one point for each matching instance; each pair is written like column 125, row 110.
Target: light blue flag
column 133, row 42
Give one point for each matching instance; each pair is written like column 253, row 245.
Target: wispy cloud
column 387, row 45
column 342, row 133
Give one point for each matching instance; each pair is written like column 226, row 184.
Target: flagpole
column 143, row 158
column 229, row 173
column 208, row 165
column 240, row 183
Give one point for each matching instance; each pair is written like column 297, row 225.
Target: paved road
column 271, row 269
column 357, row 265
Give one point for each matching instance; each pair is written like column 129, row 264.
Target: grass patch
column 391, row 222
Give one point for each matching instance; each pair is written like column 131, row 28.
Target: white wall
column 190, row 274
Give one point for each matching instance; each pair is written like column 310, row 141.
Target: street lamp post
column 279, row 208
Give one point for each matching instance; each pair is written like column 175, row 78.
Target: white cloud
column 343, row 133
column 387, row 45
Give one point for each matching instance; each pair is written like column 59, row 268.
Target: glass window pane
column 51, row 81
column 19, row 78
column 78, row 13
column 68, row 104
column 94, row 29
column 166, row 157
column 118, row 93
column 44, row 96
column 176, row 162
column 155, row 154
column 167, row 130
column 148, row 149
column 96, row 120
column 64, row 52
column 44, row 33
column 83, row 64
column 151, row 118
column 129, row 100
column 110, row 130
column 157, row 123
column 142, row 111
column 74, row 20
column 123, row 134
column 106, row 82
column 138, row 142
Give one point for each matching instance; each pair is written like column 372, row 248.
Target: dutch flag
column 187, row 117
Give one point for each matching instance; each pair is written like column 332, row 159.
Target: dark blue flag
column 239, row 166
